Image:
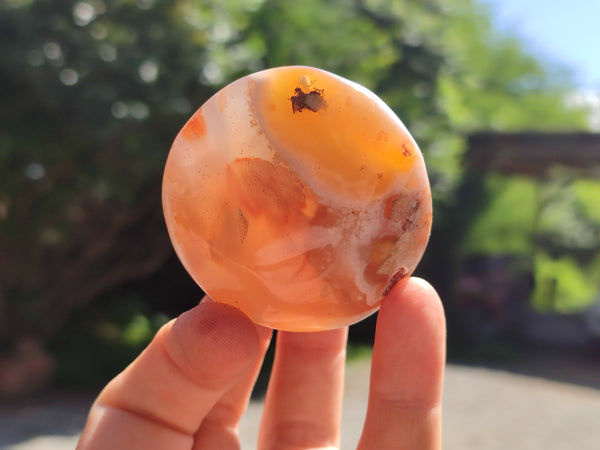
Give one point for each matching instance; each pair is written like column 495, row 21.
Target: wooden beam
column 534, row 153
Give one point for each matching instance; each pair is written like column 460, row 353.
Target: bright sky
column 565, row 31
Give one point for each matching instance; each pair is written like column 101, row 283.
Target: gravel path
column 484, row 409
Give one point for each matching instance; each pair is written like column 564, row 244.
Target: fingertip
column 413, row 285
column 230, row 336
column 414, row 297
column 264, row 333
column 411, row 333
column 407, row 370
column 207, row 299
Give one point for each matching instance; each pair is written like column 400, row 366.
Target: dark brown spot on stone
column 312, row 100
column 409, row 221
column 242, row 225
column 402, row 273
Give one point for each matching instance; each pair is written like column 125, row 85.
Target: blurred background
column 92, row 93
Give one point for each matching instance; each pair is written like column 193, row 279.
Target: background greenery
column 93, row 92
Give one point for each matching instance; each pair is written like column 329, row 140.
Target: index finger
column 161, row 399
column 407, row 370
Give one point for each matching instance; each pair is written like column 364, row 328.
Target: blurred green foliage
column 587, row 192
column 356, row 352
column 567, row 237
column 555, row 223
column 93, row 92
column 505, row 225
column 563, row 284
column 101, row 341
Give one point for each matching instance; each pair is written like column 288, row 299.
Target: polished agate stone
column 298, row 197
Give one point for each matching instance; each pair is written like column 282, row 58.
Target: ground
column 484, row 409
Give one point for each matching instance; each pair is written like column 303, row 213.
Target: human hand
column 191, row 385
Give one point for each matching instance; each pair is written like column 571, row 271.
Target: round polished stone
column 298, row 197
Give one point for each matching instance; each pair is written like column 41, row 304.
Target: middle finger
column 304, row 398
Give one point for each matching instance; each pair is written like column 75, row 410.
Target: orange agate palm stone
column 298, row 197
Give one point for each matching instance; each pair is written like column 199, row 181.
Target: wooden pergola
column 534, row 153
column 539, row 155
